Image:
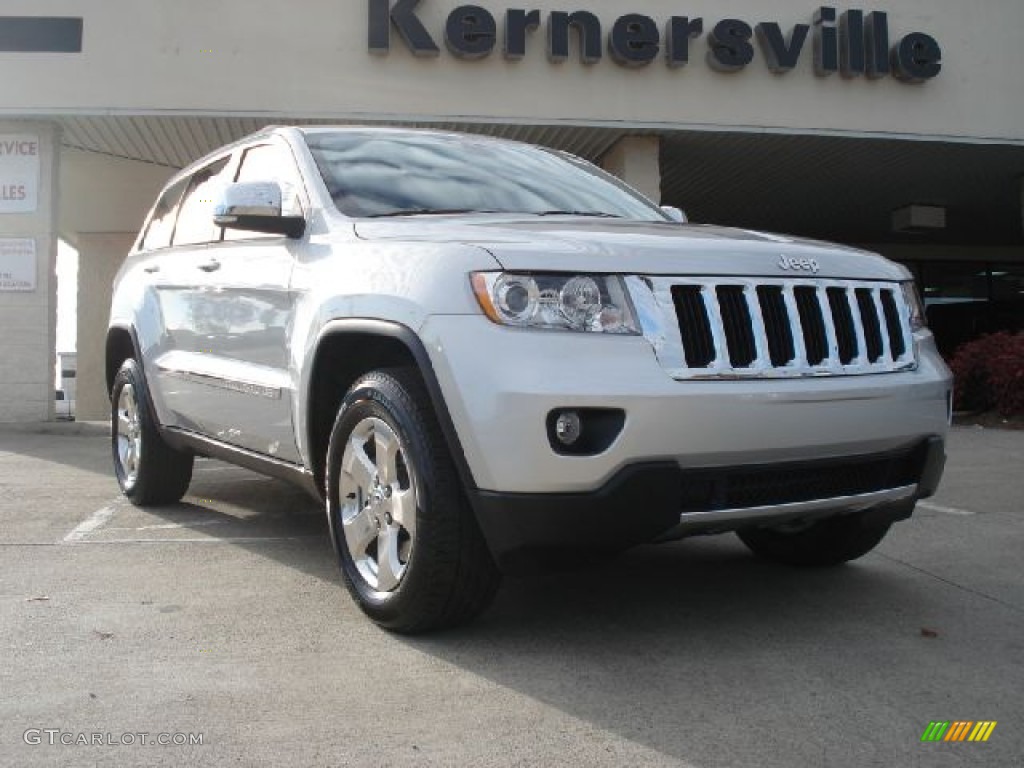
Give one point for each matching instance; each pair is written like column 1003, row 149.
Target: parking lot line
column 171, row 526
column 84, row 532
column 206, row 540
column 945, row 510
column 91, row 524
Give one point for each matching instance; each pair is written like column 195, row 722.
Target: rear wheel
column 410, row 550
column 149, row 471
column 833, row 541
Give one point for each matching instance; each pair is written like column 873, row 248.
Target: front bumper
column 661, row 501
column 500, row 385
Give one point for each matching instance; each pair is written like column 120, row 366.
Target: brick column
column 28, row 316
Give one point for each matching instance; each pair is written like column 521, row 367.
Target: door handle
column 152, row 269
column 211, row 266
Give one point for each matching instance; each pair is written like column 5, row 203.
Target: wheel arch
column 345, row 350
column 122, row 344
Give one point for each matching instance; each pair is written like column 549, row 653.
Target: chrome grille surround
column 657, row 311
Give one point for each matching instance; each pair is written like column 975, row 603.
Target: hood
column 582, row 244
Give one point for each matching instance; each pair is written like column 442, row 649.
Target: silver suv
column 470, row 348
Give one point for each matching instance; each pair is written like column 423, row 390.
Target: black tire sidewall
column 372, row 398
column 163, row 474
column 130, row 374
column 826, row 543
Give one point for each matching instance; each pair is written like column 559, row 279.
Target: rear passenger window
column 195, row 219
column 161, row 223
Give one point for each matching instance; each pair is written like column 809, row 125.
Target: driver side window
column 195, row 217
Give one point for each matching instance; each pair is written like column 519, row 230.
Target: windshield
column 381, row 174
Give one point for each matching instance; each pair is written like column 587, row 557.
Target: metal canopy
column 846, row 189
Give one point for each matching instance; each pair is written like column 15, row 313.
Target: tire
column 149, row 471
column 391, row 485
column 825, row 543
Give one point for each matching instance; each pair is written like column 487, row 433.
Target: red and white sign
column 19, row 173
column 18, row 264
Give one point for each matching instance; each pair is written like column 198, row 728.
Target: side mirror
column 255, row 206
column 676, row 214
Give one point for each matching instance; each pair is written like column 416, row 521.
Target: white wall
column 637, row 161
column 99, row 193
column 102, row 254
column 311, row 58
column 103, row 202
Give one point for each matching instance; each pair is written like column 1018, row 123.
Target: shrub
column 989, row 374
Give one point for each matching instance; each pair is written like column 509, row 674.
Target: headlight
column 918, row 320
column 594, row 303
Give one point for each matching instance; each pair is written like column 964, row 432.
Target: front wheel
column 824, row 543
column 410, row 550
column 149, row 471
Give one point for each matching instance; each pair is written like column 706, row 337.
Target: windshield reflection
column 370, row 174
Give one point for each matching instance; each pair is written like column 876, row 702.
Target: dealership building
column 898, row 126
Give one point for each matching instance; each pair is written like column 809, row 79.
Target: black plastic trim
column 412, row 342
column 934, row 464
column 137, row 356
column 601, row 428
column 201, row 445
column 136, row 349
column 643, row 501
column 636, row 505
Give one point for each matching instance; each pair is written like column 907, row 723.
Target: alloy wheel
column 378, row 503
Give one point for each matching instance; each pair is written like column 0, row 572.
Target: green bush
column 989, row 374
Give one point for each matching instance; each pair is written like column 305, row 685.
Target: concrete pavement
column 225, row 616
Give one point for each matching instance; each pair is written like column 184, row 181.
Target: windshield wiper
column 595, row 214
column 428, row 212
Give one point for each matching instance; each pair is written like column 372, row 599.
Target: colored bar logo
column 958, row 730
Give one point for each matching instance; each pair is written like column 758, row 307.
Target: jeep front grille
column 733, row 327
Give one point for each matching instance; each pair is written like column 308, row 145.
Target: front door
column 231, row 366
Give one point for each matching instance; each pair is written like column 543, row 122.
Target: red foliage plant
column 989, row 374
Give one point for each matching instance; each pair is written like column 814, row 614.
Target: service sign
column 19, row 173
column 17, row 264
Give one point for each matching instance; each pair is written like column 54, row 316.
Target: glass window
column 1008, row 297
column 161, row 223
column 948, row 282
column 195, row 220
column 1008, row 282
column 381, row 174
column 269, row 162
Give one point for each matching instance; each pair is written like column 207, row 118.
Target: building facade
column 897, row 126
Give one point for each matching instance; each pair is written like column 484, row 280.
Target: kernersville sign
column 852, row 43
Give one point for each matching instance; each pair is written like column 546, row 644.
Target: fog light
column 568, row 427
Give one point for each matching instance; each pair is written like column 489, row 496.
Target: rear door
column 187, row 314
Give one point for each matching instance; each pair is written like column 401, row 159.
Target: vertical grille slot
column 815, row 336
column 776, row 324
column 872, row 326
column 694, row 326
column 777, row 327
column 842, row 319
column 739, row 330
column 897, row 346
